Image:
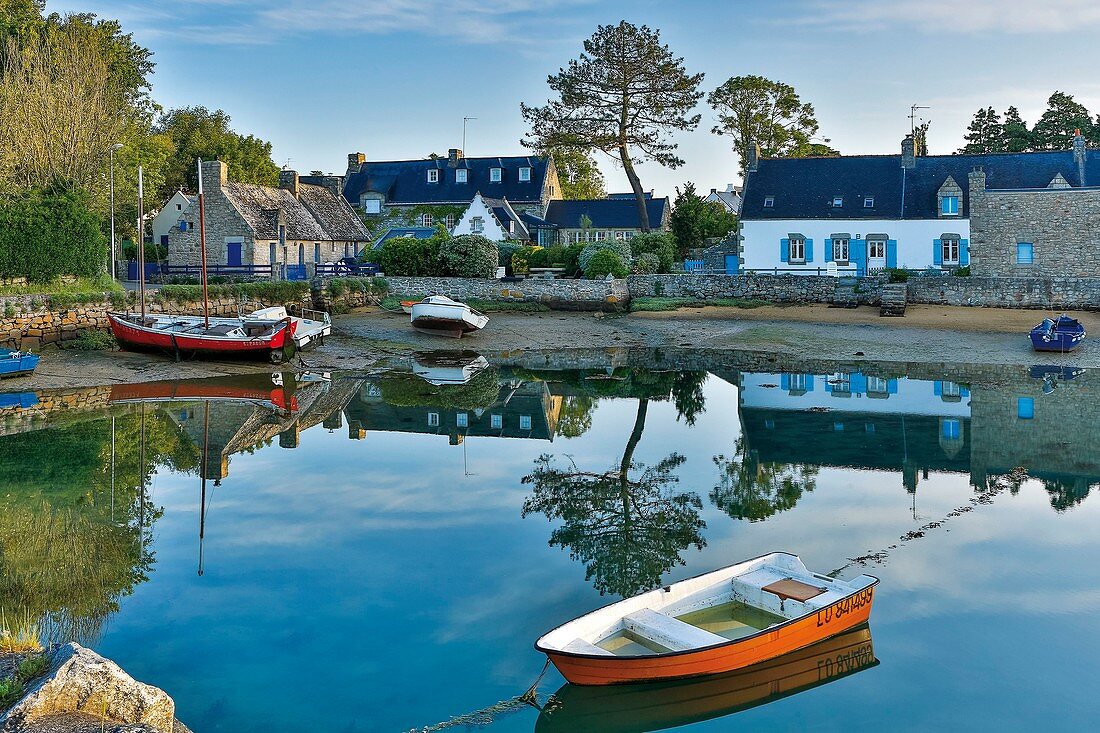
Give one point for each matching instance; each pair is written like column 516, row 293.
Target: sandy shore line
column 360, row 340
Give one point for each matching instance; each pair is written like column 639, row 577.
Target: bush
column 645, row 264
column 505, row 250
column 895, row 275
column 963, row 271
column 622, row 249
column 660, row 244
column 571, row 259
column 603, row 263
column 49, row 232
column 410, row 257
column 92, row 340
column 469, row 255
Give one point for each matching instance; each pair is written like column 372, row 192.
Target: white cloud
column 951, row 16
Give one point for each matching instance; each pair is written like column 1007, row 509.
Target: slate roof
column 608, row 213
column 406, row 181
column 803, row 188
column 415, row 232
column 315, row 215
column 505, row 214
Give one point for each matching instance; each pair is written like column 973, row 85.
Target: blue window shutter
column 784, row 381
column 937, row 388
column 891, row 386
column 809, row 383
column 964, row 392
column 964, row 252
column 828, row 250
column 857, row 253
column 809, row 250
column 937, row 252
column 784, row 249
column 858, row 383
column 891, row 253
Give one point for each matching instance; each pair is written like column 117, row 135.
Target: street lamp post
column 111, row 265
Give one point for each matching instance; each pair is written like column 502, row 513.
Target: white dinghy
column 440, row 316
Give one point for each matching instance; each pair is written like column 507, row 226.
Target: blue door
column 298, row 272
column 731, row 264
column 233, row 254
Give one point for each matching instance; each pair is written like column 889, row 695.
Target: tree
column 660, row 245
column 623, row 96
column 985, row 134
column 694, row 219
column 575, row 416
column 755, row 110
column 1062, row 118
column 1017, row 138
column 196, row 132
column 578, row 174
column 920, row 139
column 750, row 489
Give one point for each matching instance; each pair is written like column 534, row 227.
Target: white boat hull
column 441, row 316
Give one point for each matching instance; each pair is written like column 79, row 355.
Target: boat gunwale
column 452, row 304
column 277, row 328
column 694, row 650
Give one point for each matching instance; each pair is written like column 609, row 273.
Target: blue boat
column 1060, row 334
column 16, row 363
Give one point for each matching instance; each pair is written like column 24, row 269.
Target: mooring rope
column 487, row 715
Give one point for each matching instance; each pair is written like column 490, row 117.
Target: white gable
column 479, row 215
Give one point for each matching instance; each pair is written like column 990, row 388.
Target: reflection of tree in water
column 627, row 530
column 70, row 546
column 575, row 416
column 1066, row 494
column 750, row 489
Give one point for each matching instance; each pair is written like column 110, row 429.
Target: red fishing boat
column 725, row 620
column 268, row 390
column 196, row 335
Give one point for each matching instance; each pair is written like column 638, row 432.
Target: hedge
column 45, row 233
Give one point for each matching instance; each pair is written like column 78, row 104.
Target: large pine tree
column 985, row 134
column 1055, row 129
column 1017, row 138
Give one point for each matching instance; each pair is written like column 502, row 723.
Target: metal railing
column 343, row 269
column 238, row 271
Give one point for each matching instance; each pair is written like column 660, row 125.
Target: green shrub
column 963, row 271
column 9, row 311
column 603, row 263
column 896, row 275
column 660, row 244
column 31, row 667
column 645, row 264
column 410, row 257
column 337, row 286
column 469, row 255
column 92, row 340
column 571, row 259
column 49, row 232
column 622, row 249
column 11, row 689
column 505, row 250
column 520, row 266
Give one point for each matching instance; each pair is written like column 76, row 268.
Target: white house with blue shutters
column 854, row 215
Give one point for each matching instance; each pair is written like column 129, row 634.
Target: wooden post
column 141, row 244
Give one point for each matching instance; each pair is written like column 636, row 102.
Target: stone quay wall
column 772, row 288
column 1062, row 293
column 585, row 295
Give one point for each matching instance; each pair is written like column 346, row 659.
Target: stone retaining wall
column 1067, row 293
column 773, row 288
column 608, row 295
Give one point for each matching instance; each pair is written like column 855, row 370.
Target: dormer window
column 769, row 202
column 838, row 201
column 433, row 175
column 461, row 175
column 494, row 175
column 868, row 202
column 949, row 205
column 525, row 174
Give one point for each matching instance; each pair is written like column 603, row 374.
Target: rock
column 80, row 680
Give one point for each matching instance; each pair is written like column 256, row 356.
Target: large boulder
column 79, row 680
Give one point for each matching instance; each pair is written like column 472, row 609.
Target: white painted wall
column 913, row 397
column 915, row 239
column 492, row 230
column 169, row 215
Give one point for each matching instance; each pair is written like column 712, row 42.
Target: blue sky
column 393, row 79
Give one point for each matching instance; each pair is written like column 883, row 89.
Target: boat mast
column 202, row 251
column 141, row 244
column 202, row 473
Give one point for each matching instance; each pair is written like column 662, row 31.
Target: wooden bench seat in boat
column 669, row 632
column 580, row 646
column 789, row 588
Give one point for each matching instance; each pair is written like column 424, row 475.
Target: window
column 496, row 422
column 179, row 207
column 876, row 249
column 426, row 219
column 949, row 205
column 525, row 174
column 877, row 385
column 1025, row 408
column 951, row 428
column 797, row 382
column 629, row 235
column 524, row 422
column 462, row 420
column 841, row 383
column 433, row 419
column 511, row 227
column 838, row 427
column 838, row 201
column 1025, row 253
column 769, row 202
column 950, row 391
column 372, row 206
column 620, row 236
column 601, row 236
column 494, row 175
column 797, row 253
column 950, row 246
column 840, row 250
column 477, row 225
column 461, row 175
column 868, row 202
column 433, row 175
column 449, row 220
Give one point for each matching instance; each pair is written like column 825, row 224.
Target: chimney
column 977, row 179
column 354, row 161
column 730, row 188
column 908, row 152
column 753, row 160
column 213, row 175
column 714, row 190
column 333, row 184
column 1079, row 155
column 289, row 180
column 453, row 156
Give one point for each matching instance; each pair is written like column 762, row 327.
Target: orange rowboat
column 718, row 622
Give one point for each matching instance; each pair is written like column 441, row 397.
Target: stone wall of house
column 1063, row 224
column 222, row 220
column 1065, row 293
column 772, row 288
column 608, row 295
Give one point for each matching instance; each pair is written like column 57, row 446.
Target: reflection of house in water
column 521, row 410
column 853, row 420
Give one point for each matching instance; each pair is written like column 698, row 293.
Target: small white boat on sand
column 443, row 368
column 440, row 316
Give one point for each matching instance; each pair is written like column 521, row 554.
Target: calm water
column 372, row 559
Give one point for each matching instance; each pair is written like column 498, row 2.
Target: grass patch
column 393, row 302
column 19, row 633
column 268, row 291
column 82, row 286
column 671, row 304
column 93, row 340
column 337, row 286
column 11, row 688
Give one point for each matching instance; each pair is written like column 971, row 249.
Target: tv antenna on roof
column 912, row 115
column 464, row 121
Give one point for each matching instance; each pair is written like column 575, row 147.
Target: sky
column 395, row 78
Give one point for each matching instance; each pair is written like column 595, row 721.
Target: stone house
column 170, row 215
column 292, row 227
column 730, row 199
column 434, row 191
column 859, row 214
